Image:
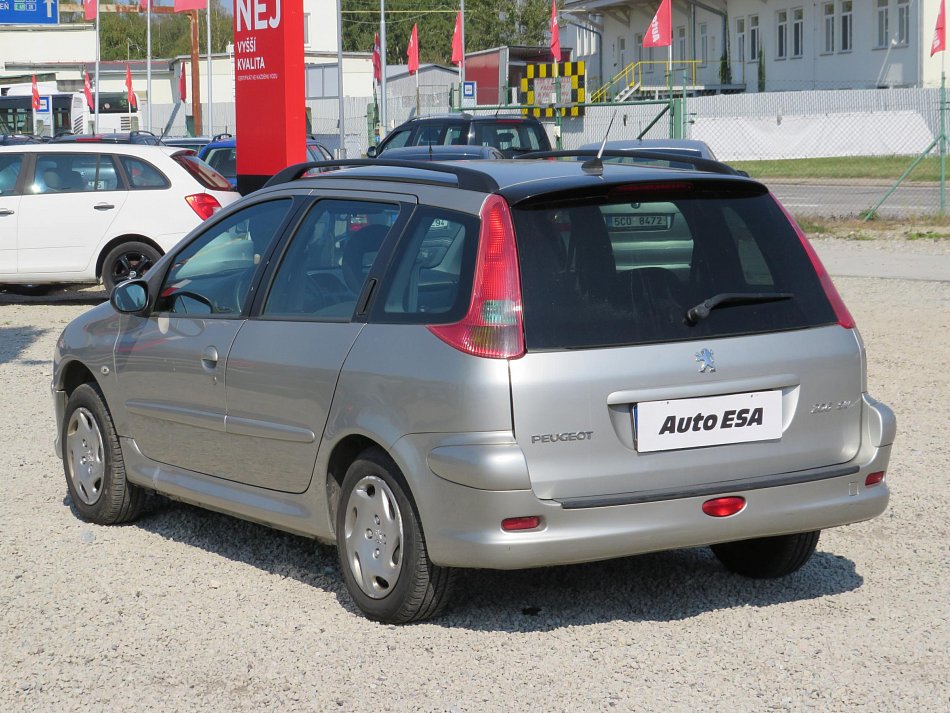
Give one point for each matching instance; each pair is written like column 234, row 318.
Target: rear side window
column 616, row 273
column 223, row 160
column 9, row 172
column 143, row 175
column 74, row 173
column 511, row 136
column 431, row 275
column 202, row 172
column 322, row 272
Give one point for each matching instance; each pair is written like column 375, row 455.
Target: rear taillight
column 831, row 292
column 492, row 327
column 204, row 204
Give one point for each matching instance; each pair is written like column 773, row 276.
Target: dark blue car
column 221, row 155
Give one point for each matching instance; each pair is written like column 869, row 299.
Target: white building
column 717, row 44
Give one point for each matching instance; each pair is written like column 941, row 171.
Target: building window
column 703, row 44
column 798, row 32
column 828, row 13
column 306, row 28
column 903, row 22
column 740, row 39
column 882, row 22
column 640, row 53
column 753, row 38
column 681, row 42
column 781, row 37
column 847, row 32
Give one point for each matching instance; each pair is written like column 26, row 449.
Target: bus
column 69, row 113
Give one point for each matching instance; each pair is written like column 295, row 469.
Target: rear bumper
column 462, row 524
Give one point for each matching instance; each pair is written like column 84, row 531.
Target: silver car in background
column 496, row 364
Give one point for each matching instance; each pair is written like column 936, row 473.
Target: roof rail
column 467, row 178
column 700, row 164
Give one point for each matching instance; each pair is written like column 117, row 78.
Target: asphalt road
column 842, row 199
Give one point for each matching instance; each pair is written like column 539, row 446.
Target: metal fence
column 826, row 131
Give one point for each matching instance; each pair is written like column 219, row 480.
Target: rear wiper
column 730, row 299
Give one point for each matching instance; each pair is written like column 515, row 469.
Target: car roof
column 442, row 153
column 516, row 179
column 95, row 147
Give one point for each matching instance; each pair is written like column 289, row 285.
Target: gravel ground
column 193, row 611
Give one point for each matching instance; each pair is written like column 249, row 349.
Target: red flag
column 87, row 90
column 939, row 43
column 133, row 103
column 413, row 50
column 182, row 84
column 185, row 5
column 36, row 95
column 555, row 33
column 143, row 5
column 377, row 62
column 458, row 47
column 660, row 31
column 90, row 9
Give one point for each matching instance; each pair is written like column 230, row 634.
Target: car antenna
column 595, row 166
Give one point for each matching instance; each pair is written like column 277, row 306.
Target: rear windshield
column 511, row 137
column 609, row 271
column 202, row 172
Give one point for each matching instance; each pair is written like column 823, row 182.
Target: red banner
column 36, row 95
column 458, row 45
column 269, row 88
column 660, row 31
column 133, row 103
column 377, row 62
column 939, row 43
column 185, row 5
column 90, row 9
column 412, row 51
column 87, row 90
column 555, row 33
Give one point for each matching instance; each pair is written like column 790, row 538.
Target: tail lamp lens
column 513, row 524
column 492, row 327
column 204, row 204
column 874, row 479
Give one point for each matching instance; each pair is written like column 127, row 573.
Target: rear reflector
column 723, row 507
column 204, row 204
column 528, row 522
column 831, row 292
column 492, row 328
column 874, row 478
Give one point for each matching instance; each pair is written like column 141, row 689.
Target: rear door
column 284, row 364
column 11, row 170
column 619, row 394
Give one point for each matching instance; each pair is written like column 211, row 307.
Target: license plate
column 708, row 421
column 641, row 221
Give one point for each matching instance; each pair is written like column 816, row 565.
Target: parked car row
column 483, row 364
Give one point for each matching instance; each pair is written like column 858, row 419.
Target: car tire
column 767, row 557
column 127, row 261
column 93, row 463
column 381, row 546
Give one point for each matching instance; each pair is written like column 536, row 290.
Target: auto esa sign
column 710, row 421
column 269, row 88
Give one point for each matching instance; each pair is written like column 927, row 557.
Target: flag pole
column 95, row 120
column 462, row 63
column 669, row 77
column 339, row 78
column 210, row 83
column 382, row 70
column 148, row 64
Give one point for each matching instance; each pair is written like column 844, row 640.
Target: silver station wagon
column 497, row 364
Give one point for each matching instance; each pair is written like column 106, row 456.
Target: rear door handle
column 103, row 206
column 6, row 211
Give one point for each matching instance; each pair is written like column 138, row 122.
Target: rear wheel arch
column 341, row 458
column 128, row 238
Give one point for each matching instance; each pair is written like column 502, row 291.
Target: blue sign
column 468, row 88
column 44, row 105
column 29, row 12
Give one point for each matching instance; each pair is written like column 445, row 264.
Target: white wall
column 63, row 43
column 320, row 19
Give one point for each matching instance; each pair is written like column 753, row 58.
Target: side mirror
column 371, row 152
column 130, row 297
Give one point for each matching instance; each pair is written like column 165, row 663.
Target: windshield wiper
column 731, row 299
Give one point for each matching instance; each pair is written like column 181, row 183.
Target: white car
column 89, row 212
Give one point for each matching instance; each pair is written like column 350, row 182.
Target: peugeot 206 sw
column 496, row 364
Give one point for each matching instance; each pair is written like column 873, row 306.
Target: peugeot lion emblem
column 707, row 362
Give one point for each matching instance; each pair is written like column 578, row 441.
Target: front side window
column 10, row 164
column 610, row 272
column 213, row 274
column 398, row 139
column 781, row 37
column 74, row 173
column 798, row 32
column 828, row 12
column 322, row 272
column 882, row 23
